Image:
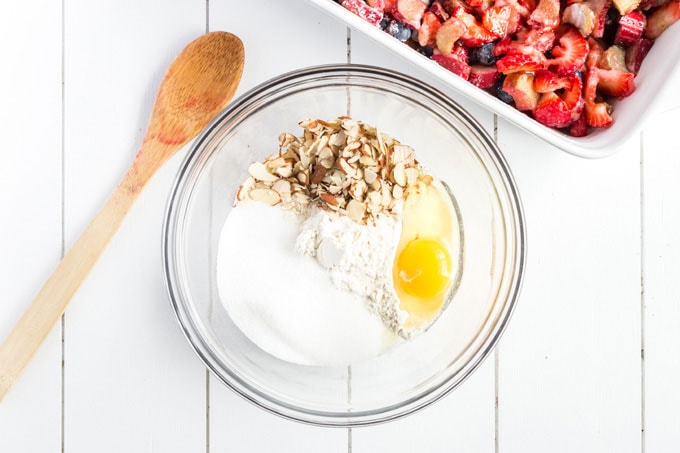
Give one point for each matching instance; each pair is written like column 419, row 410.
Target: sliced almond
column 356, row 210
column 274, row 162
column 345, row 167
column 397, row 192
column 265, row 195
column 399, row 174
column 303, row 177
column 370, row 175
column 282, row 187
column 318, row 174
column 259, row 171
column 285, row 170
column 329, row 199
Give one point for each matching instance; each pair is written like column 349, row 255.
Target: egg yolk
column 424, row 268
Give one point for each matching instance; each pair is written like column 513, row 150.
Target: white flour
column 359, row 258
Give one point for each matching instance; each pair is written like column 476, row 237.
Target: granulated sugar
column 288, row 304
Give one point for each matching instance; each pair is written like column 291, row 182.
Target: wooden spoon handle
column 39, row 318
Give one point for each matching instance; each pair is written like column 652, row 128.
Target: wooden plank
column 30, row 202
column 661, row 267
column 131, row 382
column 465, row 419
column 278, row 37
column 569, row 364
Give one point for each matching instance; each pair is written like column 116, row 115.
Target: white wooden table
column 589, row 363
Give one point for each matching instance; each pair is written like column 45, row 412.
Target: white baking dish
column 656, row 89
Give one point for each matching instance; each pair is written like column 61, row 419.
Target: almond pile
column 342, row 165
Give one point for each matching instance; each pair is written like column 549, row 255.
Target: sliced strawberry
column 361, row 9
column 409, row 12
column 438, row 10
column 552, row 111
column 546, row 15
column 597, row 113
column 497, row 20
column 662, row 18
column 541, row 40
column 571, row 52
column 448, row 33
column 630, row 28
column 515, row 61
column 453, row 63
column 579, row 128
column 581, row 16
column 612, row 82
column 572, row 95
column 428, row 29
column 475, row 33
column 636, row 53
column 520, row 86
column 546, row 81
column 483, row 76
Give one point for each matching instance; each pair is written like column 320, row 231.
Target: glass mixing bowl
column 449, row 143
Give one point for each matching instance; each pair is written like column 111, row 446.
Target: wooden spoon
column 198, row 84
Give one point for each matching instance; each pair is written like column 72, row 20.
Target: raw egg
column 426, row 258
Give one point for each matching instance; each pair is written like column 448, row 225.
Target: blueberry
column 483, row 54
column 384, row 22
column 501, row 93
column 399, row 30
column 578, row 73
column 427, row 51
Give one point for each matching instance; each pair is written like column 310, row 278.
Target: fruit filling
column 560, row 62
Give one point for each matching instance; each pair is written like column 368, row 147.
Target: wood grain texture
column 130, row 377
column 465, row 419
column 30, row 206
column 569, row 373
column 661, row 265
column 235, row 424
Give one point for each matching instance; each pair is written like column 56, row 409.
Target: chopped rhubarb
column 448, row 33
column 630, row 28
column 453, row 63
column 636, row 53
column 520, row 86
column 483, row 76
